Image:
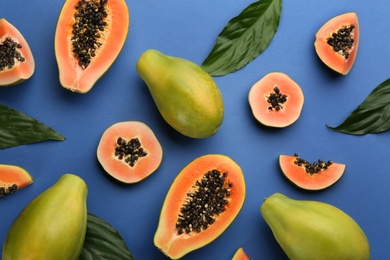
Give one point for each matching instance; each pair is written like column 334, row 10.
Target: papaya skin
column 186, row 96
column 314, row 230
column 51, row 226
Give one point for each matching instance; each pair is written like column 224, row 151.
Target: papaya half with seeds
column 276, row 100
column 12, row 179
column 310, row 176
column 337, row 42
column 129, row 151
column 16, row 59
column 186, row 96
column 51, row 226
column 88, row 38
column 201, row 203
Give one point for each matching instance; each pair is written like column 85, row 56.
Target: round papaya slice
column 16, row 60
column 276, row 100
column 89, row 36
column 337, row 42
column 129, row 151
column 201, row 203
column 12, row 179
column 240, row 255
column 310, row 176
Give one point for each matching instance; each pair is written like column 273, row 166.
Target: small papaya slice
column 201, row 203
column 240, row 255
column 310, row 176
column 276, row 100
column 16, row 59
column 129, row 151
column 337, row 42
column 88, row 38
column 13, row 178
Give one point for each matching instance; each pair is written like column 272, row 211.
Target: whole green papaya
column 314, row 230
column 186, row 96
column 51, row 226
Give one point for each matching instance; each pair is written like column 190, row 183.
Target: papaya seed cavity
column 129, row 151
column 9, row 54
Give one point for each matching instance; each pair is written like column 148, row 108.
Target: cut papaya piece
column 88, row 38
column 337, row 42
column 12, row 179
column 240, row 255
column 16, row 59
column 201, row 203
column 129, row 151
column 276, row 100
column 310, row 176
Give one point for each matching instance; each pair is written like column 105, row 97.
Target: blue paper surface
column 188, row 29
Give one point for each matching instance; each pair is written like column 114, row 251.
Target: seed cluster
column 9, row 54
column 276, row 99
column 342, row 40
column 129, row 151
column 87, row 29
column 207, row 200
column 314, row 167
column 8, row 190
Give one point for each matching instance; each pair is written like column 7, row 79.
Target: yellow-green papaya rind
column 51, row 226
column 314, row 230
column 186, row 96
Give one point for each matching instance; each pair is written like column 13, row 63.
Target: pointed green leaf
column 103, row 242
column 244, row 38
column 371, row 116
column 17, row 128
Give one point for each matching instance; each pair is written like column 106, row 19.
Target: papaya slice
column 310, row 176
column 89, row 36
column 16, row 59
column 201, row 203
column 337, row 42
column 12, row 179
column 129, row 151
column 276, row 100
column 240, row 255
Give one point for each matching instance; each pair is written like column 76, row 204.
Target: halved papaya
column 201, row 203
column 337, row 42
column 88, row 38
column 12, row 179
column 240, row 255
column 276, row 100
column 129, row 151
column 16, row 59
column 310, row 176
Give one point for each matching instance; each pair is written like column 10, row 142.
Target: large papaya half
column 88, row 38
column 186, row 96
column 310, row 176
column 16, row 59
column 129, row 151
column 202, row 202
column 276, row 100
column 51, row 226
column 13, row 178
column 337, row 42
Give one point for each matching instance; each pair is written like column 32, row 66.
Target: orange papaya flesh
column 129, row 151
column 16, row 59
column 337, row 42
column 12, row 179
column 310, row 176
column 276, row 100
column 240, row 255
column 81, row 63
column 195, row 211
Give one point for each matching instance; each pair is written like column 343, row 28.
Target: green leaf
column 370, row 117
column 103, row 242
column 17, row 128
column 244, row 38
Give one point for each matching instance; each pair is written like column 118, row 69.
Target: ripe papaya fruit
column 51, row 226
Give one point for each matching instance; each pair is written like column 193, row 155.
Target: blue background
column 188, row 29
